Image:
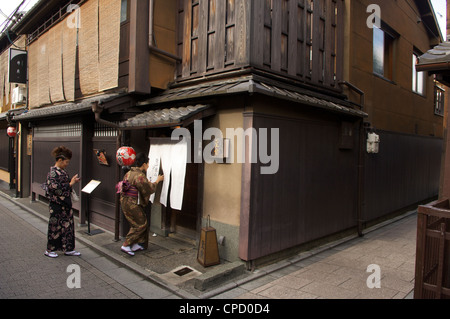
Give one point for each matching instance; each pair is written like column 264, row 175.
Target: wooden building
column 307, row 72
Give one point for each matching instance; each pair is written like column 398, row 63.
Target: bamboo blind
column 33, row 89
column 55, row 67
column 52, row 57
column 109, row 43
column 42, row 69
column 88, row 48
column 45, row 69
column 69, row 46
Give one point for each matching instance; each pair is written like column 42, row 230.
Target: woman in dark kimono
column 135, row 191
column 61, row 231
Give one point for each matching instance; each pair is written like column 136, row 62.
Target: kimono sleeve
column 145, row 188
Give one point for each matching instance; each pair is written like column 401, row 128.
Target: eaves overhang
column 253, row 85
column 64, row 109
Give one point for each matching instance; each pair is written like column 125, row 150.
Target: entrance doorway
column 182, row 222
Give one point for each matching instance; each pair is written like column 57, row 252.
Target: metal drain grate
column 183, row 271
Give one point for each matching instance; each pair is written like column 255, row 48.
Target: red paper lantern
column 125, row 156
column 11, row 131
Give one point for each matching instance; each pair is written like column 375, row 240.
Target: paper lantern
column 11, row 131
column 125, row 156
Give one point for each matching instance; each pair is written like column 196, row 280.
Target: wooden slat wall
column 312, row 195
column 304, row 37
column 42, row 161
column 299, row 38
column 404, row 172
column 102, row 200
column 213, row 35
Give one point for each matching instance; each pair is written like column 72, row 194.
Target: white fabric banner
column 172, row 158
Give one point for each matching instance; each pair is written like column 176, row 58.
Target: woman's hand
column 159, row 179
column 74, row 180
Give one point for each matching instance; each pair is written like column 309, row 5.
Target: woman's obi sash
column 125, row 189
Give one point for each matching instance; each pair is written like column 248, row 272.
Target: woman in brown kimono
column 135, row 191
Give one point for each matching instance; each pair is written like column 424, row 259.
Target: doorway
column 183, row 222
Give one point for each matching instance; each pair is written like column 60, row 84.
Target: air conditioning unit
column 19, row 96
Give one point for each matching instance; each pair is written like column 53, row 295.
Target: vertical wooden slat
column 284, row 35
column 276, row 36
column 186, row 68
column 420, row 255
column 340, row 40
column 211, row 34
column 203, row 36
column 267, row 36
column 301, row 38
column 257, row 33
column 195, row 36
column 316, row 41
column 307, row 61
column 293, row 37
column 329, row 11
column 241, row 53
column 441, row 255
column 230, row 29
column 219, row 58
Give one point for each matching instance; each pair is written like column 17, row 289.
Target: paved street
column 27, row 273
column 342, row 272
column 334, row 271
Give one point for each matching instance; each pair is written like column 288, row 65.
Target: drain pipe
column 151, row 46
column 98, row 109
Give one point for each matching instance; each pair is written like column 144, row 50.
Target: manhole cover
column 183, row 271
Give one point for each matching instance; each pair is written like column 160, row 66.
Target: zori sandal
column 136, row 247
column 127, row 250
column 72, row 253
column 51, row 254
